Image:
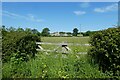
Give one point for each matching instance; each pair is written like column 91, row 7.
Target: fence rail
column 76, row 44
column 64, row 46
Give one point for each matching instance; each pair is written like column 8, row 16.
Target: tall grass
column 53, row 65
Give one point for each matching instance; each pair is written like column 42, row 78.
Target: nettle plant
column 105, row 50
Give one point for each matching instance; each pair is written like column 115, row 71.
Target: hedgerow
column 18, row 44
column 105, row 50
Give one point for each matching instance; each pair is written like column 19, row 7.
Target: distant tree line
column 88, row 33
column 46, row 31
column 27, row 30
column 77, row 33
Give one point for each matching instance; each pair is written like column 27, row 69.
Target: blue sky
column 60, row 16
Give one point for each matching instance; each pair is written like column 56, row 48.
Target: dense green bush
column 20, row 43
column 105, row 50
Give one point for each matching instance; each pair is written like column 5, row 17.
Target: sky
column 60, row 0
column 60, row 16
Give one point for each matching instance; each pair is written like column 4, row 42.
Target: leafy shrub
column 27, row 44
column 18, row 42
column 105, row 50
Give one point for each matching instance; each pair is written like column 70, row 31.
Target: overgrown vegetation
column 18, row 45
column 105, row 50
column 54, row 65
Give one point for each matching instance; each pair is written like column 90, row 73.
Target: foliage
column 45, row 32
column 20, row 30
column 28, row 30
column 9, row 44
column 26, row 45
column 35, row 31
column 18, row 42
column 88, row 33
column 62, row 32
column 11, row 29
column 53, row 65
column 105, row 50
column 75, row 32
column 3, row 31
column 69, row 33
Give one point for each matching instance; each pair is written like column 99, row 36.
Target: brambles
column 105, row 50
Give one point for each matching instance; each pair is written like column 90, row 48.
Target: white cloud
column 79, row 12
column 112, row 7
column 85, row 4
column 29, row 17
column 32, row 18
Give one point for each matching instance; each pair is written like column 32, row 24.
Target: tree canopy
column 45, row 32
column 75, row 32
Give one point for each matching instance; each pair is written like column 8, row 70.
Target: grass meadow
column 81, row 40
column 74, row 40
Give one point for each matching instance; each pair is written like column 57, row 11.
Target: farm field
column 56, row 65
column 72, row 40
column 81, row 40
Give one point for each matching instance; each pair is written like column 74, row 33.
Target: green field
column 56, row 65
column 81, row 40
column 74, row 40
